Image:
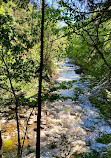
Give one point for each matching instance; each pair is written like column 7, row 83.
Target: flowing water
column 76, row 123
column 68, row 126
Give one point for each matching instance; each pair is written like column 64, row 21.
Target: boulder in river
column 79, row 71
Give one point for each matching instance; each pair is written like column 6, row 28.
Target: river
column 75, row 125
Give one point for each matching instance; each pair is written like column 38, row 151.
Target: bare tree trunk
column 40, row 87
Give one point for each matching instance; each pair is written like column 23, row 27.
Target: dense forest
column 55, row 78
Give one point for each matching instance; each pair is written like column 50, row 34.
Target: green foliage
column 63, row 85
column 53, row 97
column 104, row 107
column 92, row 154
column 89, row 36
column 78, row 50
column 20, row 41
column 9, row 145
column 77, row 92
column 108, row 154
column 20, row 47
column 52, row 145
column 105, row 139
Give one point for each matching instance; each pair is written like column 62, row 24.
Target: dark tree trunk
column 40, row 87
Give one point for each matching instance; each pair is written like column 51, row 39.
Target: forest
column 55, row 78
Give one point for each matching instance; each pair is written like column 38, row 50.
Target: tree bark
column 40, row 87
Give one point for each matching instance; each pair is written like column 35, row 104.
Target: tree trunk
column 40, row 87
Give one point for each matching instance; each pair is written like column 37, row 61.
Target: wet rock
column 43, row 134
column 73, row 113
column 79, row 71
column 22, row 116
column 42, row 114
column 32, row 155
column 35, row 129
column 3, row 121
column 44, row 122
column 34, row 121
column 47, row 113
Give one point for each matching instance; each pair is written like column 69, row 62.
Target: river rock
column 32, row 155
column 79, row 71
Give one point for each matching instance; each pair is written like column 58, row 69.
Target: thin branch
column 26, row 130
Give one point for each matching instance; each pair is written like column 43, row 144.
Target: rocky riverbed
column 68, row 126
